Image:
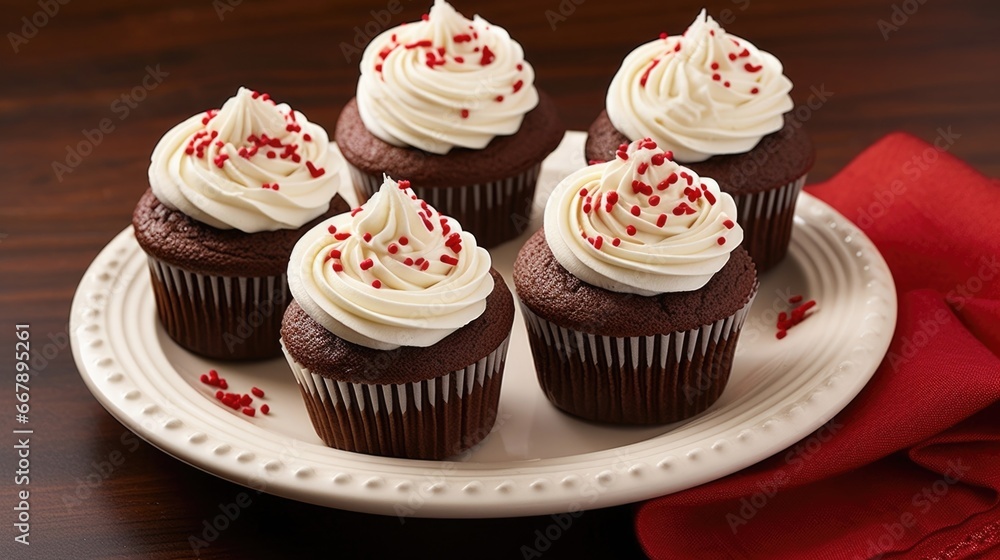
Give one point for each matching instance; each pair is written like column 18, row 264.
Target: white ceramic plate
column 537, row 460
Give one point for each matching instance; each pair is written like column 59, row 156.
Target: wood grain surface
column 932, row 67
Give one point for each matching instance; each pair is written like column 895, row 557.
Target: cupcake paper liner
column 220, row 316
column 654, row 379
column 766, row 218
column 494, row 212
column 431, row 419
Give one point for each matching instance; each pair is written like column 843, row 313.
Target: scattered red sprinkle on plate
column 788, row 320
column 235, row 401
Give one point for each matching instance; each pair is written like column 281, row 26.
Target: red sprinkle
column 754, row 91
column 751, row 68
column 795, row 299
column 781, row 334
column 341, row 236
column 661, row 220
column 499, row 98
column 315, row 171
column 487, row 57
column 630, row 229
column 245, row 400
column 249, row 410
column 337, row 267
column 376, row 283
column 729, row 224
column 616, row 242
column 465, row 113
column 654, row 200
column 645, row 74
column 393, row 248
column 403, row 240
column 448, row 259
column 642, row 168
column 204, row 379
column 715, row 66
column 424, row 43
column 264, row 409
column 657, row 159
column 518, row 85
column 366, row 264
column 635, row 210
column 257, row 392
column 721, row 241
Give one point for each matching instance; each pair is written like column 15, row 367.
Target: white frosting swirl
column 394, row 272
column 701, row 94
column 444, row 82
column 251, row 165
column 641, row 224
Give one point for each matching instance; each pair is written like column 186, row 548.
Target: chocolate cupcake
column 231, row 190
column 721, row 106
column 398, row 331
column 450, row 103
column 635, row 291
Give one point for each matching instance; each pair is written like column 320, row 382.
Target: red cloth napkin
column 911, row 468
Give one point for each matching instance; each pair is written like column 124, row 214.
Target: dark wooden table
column 98, row 491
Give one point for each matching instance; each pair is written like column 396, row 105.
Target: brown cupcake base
column 495, row 212
column 766, row 218
column 430, row 419
column 223, row 317
column 655, row 379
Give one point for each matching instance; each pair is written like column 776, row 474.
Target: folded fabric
column 911, row 468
